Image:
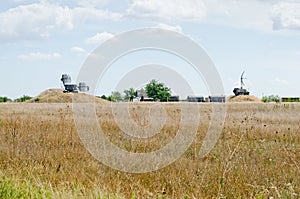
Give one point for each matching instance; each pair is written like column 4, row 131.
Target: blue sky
column 40, row 40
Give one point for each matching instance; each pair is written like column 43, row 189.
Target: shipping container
column 195, row 99
column 174, row 99
column 217, row 99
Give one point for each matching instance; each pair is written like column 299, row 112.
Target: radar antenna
column 242, row 80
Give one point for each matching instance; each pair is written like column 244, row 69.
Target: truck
column 241, row 90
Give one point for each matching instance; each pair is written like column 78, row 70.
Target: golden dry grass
column 257, row 155
column 57, row 96
column 243, row 98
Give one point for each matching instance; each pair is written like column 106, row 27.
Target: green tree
column 23, row 98
column 5, row 99
column 115, row 97
column 158, row 91
column 129, row 94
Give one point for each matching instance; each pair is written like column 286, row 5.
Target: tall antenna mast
column 242, row 78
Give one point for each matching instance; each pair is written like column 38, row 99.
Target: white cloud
column 286, row 15
column 76, row 49
column 34, row 21
column 81, row 14
column 39, row 20
column 22, row 1
column 167, row 9
column 176, row 28
column 246, row 14
column 281, row 81
column 39, row 56
column 99, row 38
column 92, row 3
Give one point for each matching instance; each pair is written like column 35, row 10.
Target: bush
column 37, row 99
column 271, row 98
column 103, row 97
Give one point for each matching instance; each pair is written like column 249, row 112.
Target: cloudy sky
column 42, row 39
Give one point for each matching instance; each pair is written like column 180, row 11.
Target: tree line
column 154, row 89
column 20, row 99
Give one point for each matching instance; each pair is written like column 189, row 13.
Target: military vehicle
column 72, row 87
column 241, row 90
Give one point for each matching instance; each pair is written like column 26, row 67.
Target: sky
column 42, row 39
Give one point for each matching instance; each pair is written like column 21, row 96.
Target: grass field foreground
column 256, row 156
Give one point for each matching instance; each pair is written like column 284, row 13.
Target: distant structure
column 141, row 93
column 195, row 99
column 290, row 99
column 174, row 98
column 241, row 90
column 146, row 99
column 72, row 87
column 66, row 79
column 217, row 99
column 83, row 87
column 142, row 96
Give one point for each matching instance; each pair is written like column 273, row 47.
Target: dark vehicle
column 241, row 90
column 70, row 88
column 174, row 99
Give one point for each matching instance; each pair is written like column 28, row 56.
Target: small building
column 195, row 99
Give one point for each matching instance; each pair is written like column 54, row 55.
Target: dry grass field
column 256, row 156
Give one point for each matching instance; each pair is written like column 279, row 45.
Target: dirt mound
column 57, row 96
column 243, row 98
